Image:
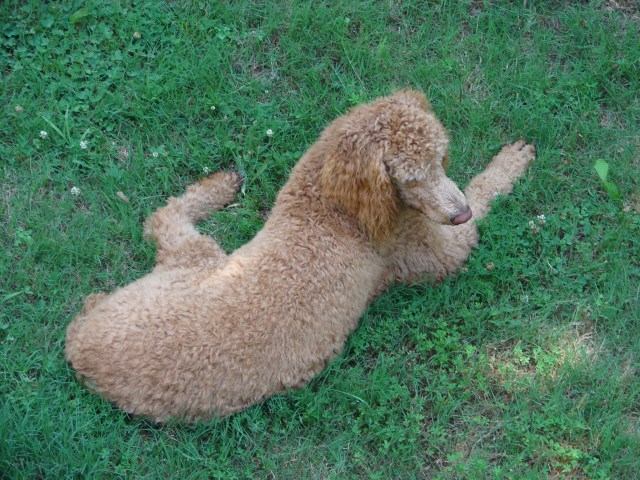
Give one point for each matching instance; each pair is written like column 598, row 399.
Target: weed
column 602, row 169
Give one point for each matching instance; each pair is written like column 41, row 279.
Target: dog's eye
column 445, row 161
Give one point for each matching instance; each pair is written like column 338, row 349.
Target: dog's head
column 388, row 155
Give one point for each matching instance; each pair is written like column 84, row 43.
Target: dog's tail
column 172, row 226
column 499, row 176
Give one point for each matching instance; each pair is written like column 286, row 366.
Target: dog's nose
column 463, row 217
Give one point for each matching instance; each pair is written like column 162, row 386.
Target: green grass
column 524, row 365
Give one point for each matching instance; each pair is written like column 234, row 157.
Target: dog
column 207, row 334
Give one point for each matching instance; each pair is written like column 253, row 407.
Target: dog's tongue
column 462, row 218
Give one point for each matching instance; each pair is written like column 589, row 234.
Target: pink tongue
column 462, row 218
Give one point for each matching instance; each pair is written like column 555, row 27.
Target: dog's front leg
column 420, row 249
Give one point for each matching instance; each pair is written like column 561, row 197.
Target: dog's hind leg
column 173, row 226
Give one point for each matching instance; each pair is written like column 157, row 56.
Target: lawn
column 523, row 365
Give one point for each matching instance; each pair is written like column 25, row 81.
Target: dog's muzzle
column 462, row 218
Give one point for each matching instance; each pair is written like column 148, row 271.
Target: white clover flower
column 137, row 35
column 205, row 170
column 84, row 144
column 19, row 108
column 154, row 154
column 541, row 219
column 213, row 108
column 533, row 226
column 43, row 134
column 74, row 191
column 269, row 133
column 122, row 197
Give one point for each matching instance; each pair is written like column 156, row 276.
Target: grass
column 524, row 365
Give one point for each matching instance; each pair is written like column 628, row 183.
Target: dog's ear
column 355, row 179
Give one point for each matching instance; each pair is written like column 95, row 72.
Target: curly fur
column 206, row 334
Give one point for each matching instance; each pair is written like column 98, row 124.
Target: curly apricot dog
column 206, row 334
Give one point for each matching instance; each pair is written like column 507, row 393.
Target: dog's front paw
column 521, row 148
column 515, row 158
